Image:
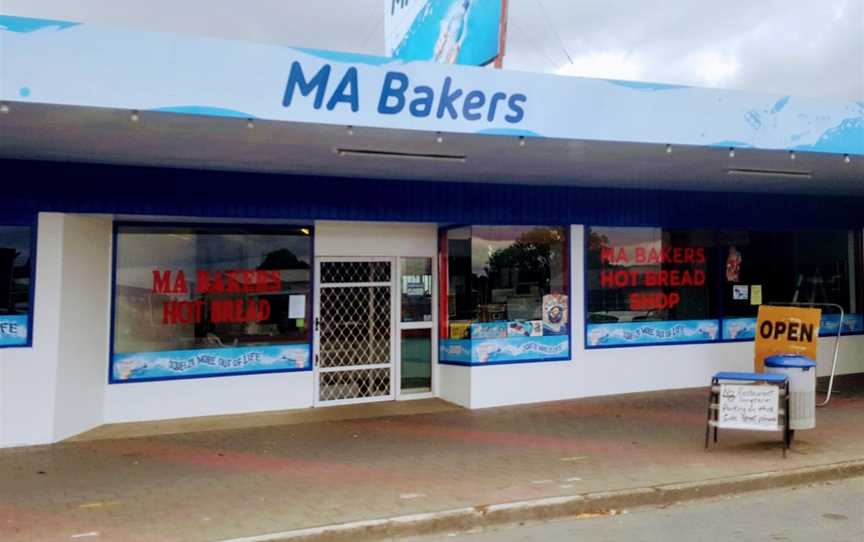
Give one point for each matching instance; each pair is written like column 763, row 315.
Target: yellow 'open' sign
column 786, row 330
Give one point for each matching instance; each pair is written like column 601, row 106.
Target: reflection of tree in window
column 528, row 261
column 283, row 260
column 501, row 273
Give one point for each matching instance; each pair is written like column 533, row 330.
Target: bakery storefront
column 333, row 230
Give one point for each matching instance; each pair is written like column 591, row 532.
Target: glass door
column 415, row 327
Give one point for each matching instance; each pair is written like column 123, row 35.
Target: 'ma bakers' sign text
column 220, row 308
column 331, row 90
column 640, row 267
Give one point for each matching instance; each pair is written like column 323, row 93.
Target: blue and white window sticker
column 209, row 362
column 739, row 328
column 632, row 333
column 515, row 349
column 13, row 330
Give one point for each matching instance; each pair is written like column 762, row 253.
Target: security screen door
column 354, row 330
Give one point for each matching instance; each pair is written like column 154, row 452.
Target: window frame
column 33, row 224
column 443, row 289
column 204, row 226
column 721, row 318
column 721, row 305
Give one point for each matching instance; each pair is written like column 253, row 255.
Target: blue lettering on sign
column 395, row 85
column 400, row 3
column 451, row 102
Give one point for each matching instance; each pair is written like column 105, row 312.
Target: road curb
column 463, row 519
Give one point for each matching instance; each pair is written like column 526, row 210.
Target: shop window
column 651, row 286
column 506, row 295
column 416, row 289
column 16, row 282
column 823, row 267
column 194, row 301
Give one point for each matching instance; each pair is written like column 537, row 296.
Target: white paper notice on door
column 297, row 306
column 749, row 406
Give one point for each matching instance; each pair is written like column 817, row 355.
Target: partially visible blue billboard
column 444, row 31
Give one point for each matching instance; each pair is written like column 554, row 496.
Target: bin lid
column 790, row 361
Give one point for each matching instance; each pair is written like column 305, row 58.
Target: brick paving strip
column 372, row 478
column 587, row 505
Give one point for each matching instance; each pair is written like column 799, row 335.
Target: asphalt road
column 829, row 512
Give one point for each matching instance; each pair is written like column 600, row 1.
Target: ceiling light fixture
column 786, row 173
column 250, row 123
column 847, row 159
column 134, row 116
column 4, row 108
column 731, row 152
column 792, row 155
column 350, row 130
column 668, row 149
column 370, row 153
column 439, row 138
column 522, row 141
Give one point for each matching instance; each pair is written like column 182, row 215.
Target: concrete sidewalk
column 225, row 484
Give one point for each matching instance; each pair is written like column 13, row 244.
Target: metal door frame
column 316, row 341
column 432, row 325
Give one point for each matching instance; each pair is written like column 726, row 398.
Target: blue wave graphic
column 348, row 58
column 846, row 138
column 732, row 143
column 781, row 103
column 639, row 85
column 203, row 110
column 509, row 132
column 24, row 25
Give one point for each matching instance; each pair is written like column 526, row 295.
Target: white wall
column 455, row 384
column 54, row 389
column 144, row 401
column 85, row 323
column 596, row 372
column 375, row 239
column 29, row 374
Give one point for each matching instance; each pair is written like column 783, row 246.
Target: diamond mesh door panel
column 359, row 384
column 353, row 272
column 354, row 326
column 354, row 331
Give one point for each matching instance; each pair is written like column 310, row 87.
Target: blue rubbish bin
column 801, row 372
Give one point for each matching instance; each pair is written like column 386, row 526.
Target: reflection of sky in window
column 139, row 254
column 19, row 238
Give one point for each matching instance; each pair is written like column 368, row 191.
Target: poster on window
column 13, row 330
column 455, row 351
column 634, row 333
column 209, row 362
column 737, row 329
column 852, row 323
column 520, row 349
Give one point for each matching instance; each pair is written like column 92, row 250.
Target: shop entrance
column 354, row 330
